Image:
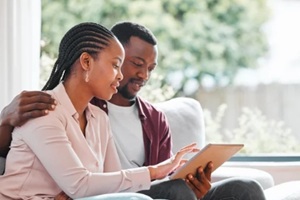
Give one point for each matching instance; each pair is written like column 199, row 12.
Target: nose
column 119, row 75
column 143, row 73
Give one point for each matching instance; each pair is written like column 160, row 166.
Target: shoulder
column 98, row 112
column 148, row 108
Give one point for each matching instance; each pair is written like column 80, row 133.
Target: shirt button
column 104, row 105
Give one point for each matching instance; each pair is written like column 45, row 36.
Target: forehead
column 114, row 48
column 137, row 47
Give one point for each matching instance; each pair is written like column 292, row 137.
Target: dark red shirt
column 156, row 131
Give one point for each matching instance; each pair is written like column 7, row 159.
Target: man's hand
column 23, row 107
column 27, row 105
column 201, row 183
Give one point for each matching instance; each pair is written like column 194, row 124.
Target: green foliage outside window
column 195, row 38
column 258, row 133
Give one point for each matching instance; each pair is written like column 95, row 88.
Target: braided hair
column 85, row 37
column 124, row 30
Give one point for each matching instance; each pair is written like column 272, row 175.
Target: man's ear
column 85, row 60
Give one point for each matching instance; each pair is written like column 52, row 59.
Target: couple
column 76, row 151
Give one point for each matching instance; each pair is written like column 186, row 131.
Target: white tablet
column 217, row 153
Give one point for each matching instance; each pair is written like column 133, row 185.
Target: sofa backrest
column 185, row 117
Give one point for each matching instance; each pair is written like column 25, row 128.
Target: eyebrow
column 118, row 58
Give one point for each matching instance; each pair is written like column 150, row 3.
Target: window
column 239, row 59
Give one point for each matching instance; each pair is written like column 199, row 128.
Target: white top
column 50, row 152
column 128, row 134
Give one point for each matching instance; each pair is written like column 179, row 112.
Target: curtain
column 20, row 24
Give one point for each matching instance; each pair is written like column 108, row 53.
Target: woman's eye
column 116, row 66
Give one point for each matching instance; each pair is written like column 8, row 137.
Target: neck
column 119, row 100
column 79, row 100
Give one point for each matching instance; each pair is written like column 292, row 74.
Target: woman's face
column 105, row 72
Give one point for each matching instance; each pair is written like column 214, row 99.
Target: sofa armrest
column 284, row 191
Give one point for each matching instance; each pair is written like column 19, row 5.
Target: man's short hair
column 124, row 30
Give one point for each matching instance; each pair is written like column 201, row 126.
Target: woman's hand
column 62, row 196
column 164, row 168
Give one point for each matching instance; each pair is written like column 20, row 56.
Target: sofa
column 185, row 116
column 186, row 120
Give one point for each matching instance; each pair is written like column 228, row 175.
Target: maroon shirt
column 156, row 131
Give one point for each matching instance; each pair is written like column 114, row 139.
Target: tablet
column 217, row 153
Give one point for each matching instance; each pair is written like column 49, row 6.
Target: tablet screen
column 217, row 153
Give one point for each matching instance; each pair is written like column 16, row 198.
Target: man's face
column 140, row 60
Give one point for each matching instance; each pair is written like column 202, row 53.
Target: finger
column 62, row 196
column 196, row 186
column 24, row 117
column 34, row 93
column 36, row 97
column 201, row 177
column 208, row 170
column 189, row 146
column 36, row 106
column 33, row 114
column 43, row 98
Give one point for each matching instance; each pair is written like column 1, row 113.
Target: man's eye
column 150, row 69
column 116, row 66
column 137, row 64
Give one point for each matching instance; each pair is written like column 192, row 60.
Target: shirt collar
column 140, row 109
column 62, row 97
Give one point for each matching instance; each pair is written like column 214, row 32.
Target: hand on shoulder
column 26, row 105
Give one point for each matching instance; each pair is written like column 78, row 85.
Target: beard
column 124, row 92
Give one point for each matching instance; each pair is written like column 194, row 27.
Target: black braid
column 85, row 37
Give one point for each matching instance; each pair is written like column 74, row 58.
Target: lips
column 115, row 86
column 137, row 84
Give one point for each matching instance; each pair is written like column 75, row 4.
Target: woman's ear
column 85, row 61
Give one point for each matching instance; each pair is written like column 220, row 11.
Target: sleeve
column 47, row 138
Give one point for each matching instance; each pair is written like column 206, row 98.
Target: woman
column 71, row 149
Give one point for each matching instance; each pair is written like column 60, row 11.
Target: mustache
column 140, row 82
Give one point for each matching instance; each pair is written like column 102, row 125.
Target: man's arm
column 23, row 107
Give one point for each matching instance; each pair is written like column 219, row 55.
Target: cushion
column 185, row 117
column 284, row 191
column 264, row 178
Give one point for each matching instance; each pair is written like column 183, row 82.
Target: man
column 141, row 132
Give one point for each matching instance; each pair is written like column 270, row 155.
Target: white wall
column 20, row 30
